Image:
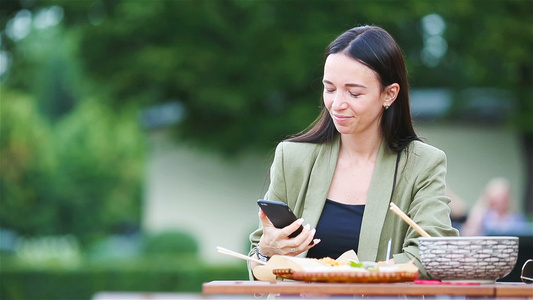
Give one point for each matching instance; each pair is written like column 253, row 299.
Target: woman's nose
column 339, row 102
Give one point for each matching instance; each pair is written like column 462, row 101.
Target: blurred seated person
column 493, row 214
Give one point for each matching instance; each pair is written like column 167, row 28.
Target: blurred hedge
column 164, row 262
column 84, row 283
column 171, row 242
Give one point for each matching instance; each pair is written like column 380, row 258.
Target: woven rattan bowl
column 478, row 259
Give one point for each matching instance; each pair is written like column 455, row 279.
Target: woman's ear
column 391, row 93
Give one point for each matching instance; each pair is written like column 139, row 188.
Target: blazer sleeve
column 428, row 204
column 277, row 191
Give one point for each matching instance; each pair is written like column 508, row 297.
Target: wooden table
column 368, row 289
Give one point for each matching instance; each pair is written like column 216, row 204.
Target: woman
column 361, row 153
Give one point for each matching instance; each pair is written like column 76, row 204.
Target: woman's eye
column 329, row 91
column 355, row 95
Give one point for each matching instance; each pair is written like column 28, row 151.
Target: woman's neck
column 361, row 147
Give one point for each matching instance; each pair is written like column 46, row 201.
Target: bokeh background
column 136, row 135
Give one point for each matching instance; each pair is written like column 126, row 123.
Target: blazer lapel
column 320, row 181
column 377, row 204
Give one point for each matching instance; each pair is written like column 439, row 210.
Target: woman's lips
column 341, row 118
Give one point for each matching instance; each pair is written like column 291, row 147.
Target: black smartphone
column 280, row 214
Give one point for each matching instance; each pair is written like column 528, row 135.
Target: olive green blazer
column 301, row 174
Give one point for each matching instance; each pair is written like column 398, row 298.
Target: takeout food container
column 478, row 259
column 329, row 270
column 353, row 276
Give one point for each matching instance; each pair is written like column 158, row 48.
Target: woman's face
column 353, row 95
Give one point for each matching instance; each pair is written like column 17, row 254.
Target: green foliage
column 101, row 168
column 44, row 252
column 248, row 72
column 27, row 162
column 177, row 275
column 171, row 243
column 69, row 165
column 79, row 176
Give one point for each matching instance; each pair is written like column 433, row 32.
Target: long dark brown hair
column 377, row 49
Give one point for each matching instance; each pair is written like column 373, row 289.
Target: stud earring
column 386, row 106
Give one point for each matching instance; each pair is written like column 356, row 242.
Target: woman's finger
column 303, row 242
column 293, row 227
column 264, row 219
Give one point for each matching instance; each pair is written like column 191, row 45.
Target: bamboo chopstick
column 238, row 255
column 408, row 220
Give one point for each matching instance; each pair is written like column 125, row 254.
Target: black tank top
column 338, row 229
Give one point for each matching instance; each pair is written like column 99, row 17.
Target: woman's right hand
column 276, row 241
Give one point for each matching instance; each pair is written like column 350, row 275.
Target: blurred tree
column 494, row 49
column 81, row 176
column 68, row 164
column 27, row 163
column 246, row 71
column 253, row 66
column 100, row 172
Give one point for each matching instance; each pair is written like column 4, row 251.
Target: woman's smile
column 341, row 118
